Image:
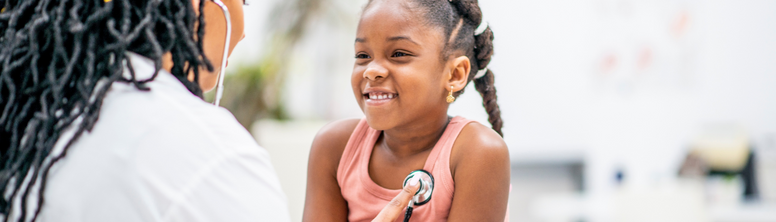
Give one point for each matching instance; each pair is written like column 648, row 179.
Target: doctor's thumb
column 412, row 187
column 395, row 208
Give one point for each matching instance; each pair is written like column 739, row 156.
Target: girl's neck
column 416, row 137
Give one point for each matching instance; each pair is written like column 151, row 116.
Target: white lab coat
column 162, row 155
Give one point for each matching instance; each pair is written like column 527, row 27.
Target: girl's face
column 398, row 77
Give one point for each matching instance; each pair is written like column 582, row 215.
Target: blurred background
column 614, row 110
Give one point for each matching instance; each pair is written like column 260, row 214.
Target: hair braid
column 459, row 19
column 485, row 84
column 58, row 59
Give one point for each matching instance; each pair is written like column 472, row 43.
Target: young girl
column 413, row 57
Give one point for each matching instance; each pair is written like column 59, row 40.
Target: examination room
column 613, row 110
column 388, row 110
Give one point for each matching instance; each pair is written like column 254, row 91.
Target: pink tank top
column 365, row 198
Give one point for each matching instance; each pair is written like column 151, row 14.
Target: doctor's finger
column 396, row 207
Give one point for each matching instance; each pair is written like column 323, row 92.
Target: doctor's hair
column 58, row 59
column 459, row 19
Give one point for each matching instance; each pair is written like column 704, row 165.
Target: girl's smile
column 378, row 96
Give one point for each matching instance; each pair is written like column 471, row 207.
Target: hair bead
column 482, row 28
column 481, row 73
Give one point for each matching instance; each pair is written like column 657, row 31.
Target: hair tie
column 481, row 73
column 481, row 29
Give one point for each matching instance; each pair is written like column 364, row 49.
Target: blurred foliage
column 254, row 91
column 249, row 95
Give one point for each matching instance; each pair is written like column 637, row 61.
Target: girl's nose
column 375, row 71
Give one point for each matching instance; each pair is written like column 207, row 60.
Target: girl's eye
column 399, row 54
column 362, row 56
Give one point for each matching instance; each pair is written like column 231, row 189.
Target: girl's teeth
column 381, row 96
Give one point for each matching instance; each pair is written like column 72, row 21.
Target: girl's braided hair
column 58, row 58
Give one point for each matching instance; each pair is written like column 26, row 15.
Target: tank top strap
column 438, row 162
column 352, row 154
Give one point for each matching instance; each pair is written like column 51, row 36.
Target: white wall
column 558, row 94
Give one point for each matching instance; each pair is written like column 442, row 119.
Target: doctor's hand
column 396, row 207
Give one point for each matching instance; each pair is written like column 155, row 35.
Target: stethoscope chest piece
column 426, row 186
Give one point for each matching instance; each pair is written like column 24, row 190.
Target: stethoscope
column 220, row 84
column 423, row 195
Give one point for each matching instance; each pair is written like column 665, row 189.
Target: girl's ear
column 459, row 74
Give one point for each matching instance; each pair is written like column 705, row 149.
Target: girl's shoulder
column 330, row 142
column 337, row 132
column 477, row 143
column 479, row 137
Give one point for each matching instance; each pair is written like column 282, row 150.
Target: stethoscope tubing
column 222, row 71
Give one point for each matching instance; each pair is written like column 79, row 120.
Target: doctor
column 102, row 117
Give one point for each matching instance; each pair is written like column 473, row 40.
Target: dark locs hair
column 459, row 19
column 58, row 58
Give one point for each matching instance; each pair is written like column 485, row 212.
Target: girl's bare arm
column 481, row 171
column 324, row 201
